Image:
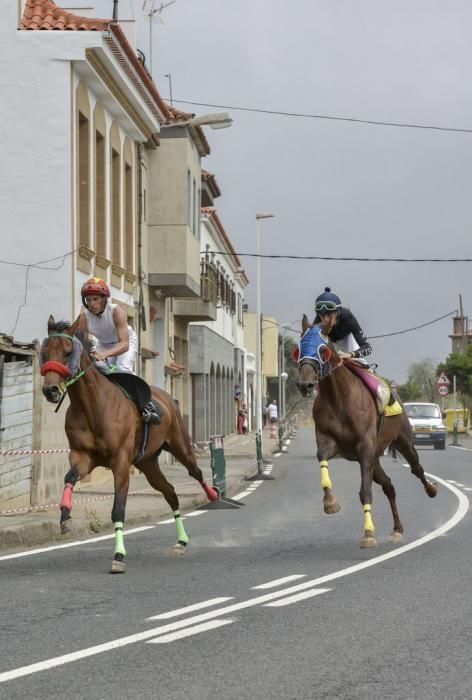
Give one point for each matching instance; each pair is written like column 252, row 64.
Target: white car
column 427, row 424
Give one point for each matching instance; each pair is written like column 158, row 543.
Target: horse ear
column 305, row 324
column 51, row 322
column 295, row 356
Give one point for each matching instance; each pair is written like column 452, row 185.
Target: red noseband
column 53, row 366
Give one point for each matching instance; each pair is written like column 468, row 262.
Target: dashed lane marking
column 190, row 608
column 279, row 581
column 296, row 598
column 189, row 631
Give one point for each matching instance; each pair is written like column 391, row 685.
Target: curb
column 44, row 531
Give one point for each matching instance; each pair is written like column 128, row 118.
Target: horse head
column 313, row 356
column 59, row 357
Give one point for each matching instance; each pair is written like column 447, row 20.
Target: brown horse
column 347, row 424
column 105, row 428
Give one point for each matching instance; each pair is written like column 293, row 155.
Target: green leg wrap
column 181, row 534
column 119, row 543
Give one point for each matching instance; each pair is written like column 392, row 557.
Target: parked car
column 427, row 424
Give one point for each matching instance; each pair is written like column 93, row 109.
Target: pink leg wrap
column 66, row 501
column 212, row 494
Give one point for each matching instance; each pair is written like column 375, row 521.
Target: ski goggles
column 321, row 306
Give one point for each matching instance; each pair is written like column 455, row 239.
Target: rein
column 64, row 370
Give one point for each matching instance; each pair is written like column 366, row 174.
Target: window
column 128, row 204
column 189, row 199
column 84, row 179
column 100, row 201
column 115, row 207
column 194, row 210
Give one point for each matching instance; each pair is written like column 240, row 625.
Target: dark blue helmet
column 327, row 301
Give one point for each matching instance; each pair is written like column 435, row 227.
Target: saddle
column 135, row 389
column 386, row 403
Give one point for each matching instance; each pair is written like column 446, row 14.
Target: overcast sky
column 336, row 188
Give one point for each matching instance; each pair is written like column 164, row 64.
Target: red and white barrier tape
column 78, row 500
column 13, row 453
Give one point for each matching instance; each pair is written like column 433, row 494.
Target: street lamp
column 258, row 325
column 218, row 120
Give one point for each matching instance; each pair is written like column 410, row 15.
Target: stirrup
column 150, row 414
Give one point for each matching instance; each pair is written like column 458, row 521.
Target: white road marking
column 451, row 481
column 296, row 598
column 467, row 488
column 276, row 454
column 203, row 617
column 459, row 447
column 189, row 608
column 42, row 550
column 166, row 522
column 189, row 631
column 194, row 513
column 243, row 494
column 457, row 484
column 279, row 581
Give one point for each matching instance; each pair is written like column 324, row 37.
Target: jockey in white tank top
column 104, row 330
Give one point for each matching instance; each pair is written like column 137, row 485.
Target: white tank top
column 103, row 327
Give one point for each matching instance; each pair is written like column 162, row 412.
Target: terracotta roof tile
column 46, row 15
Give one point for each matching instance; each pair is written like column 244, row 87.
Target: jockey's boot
column 151, row 413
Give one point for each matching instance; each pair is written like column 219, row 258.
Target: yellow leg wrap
column 325, row 480
column 368, row 523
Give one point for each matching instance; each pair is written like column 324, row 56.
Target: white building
column 217, row 352
column 76, row 101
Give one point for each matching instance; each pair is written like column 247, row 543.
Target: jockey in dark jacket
column 342, row 327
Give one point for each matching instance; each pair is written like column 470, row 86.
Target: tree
column 423, row 375
column 409, row 391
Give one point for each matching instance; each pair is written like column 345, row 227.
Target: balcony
column 173, row 261
column 204, row 308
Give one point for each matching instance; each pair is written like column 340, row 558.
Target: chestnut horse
column 347, row 424
column 104, row 428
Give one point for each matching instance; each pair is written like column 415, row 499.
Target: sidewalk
column 92, row 503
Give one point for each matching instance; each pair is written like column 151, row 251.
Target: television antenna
column 154, row 9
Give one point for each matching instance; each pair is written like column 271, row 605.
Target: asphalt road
column 389, row 622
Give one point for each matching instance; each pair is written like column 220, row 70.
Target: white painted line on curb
column 296, row 598
column 189, row 608
column 52, row 547
column 189, row 631
column 279, row 581
column 258, row 600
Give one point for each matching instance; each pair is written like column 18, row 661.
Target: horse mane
column 59, row 326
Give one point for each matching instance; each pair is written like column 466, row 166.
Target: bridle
column 71, row 371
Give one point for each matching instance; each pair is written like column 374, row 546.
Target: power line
column 329, row 117
column 337, row 258
column 415, row 328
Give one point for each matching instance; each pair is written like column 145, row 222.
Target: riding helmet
column 94, row 285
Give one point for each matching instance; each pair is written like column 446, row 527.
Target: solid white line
column 42, row 550
column 459, row 447
column 296, row 598
column 279, row 581
column 194, row 513
column 196, row 629
column 189, row 608
column 166, row 522
column 258, row 600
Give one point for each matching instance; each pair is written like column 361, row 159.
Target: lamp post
column 216, row 120
column 259, row 324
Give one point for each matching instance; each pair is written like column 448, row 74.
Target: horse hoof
column 368, row 541
column 117, row 567
column 331, row 505
column 66, row 526
column 178, row 550
column 431, row 489
column 211, row 492
column 396, row 536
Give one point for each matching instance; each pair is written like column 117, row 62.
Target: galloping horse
column 104, row 428
column 348, row 424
